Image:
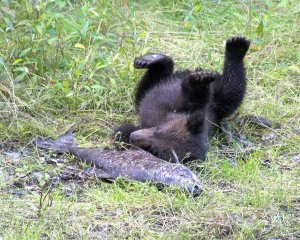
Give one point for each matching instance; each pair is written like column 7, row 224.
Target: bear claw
column 237, row 47
column 203, row 77
column 148, row 60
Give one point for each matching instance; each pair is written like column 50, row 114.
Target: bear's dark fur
column 178, row 109
column 181, row 138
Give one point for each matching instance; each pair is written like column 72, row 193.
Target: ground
column 68, row 65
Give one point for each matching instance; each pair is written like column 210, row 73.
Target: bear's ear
column 195, row 122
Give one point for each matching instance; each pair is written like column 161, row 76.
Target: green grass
column 68, row 65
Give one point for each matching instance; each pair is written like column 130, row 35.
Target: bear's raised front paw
column 236, row 48
column 149, row 59
column 203, row 77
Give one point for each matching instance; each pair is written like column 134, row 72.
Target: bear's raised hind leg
column 230, row 90
column 159, row 67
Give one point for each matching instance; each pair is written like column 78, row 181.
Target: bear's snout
column 132, row 138
column 142, row 138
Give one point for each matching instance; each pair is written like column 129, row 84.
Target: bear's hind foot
column 149, row 60
column 236, row 48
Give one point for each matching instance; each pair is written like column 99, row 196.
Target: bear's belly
column 159, row 102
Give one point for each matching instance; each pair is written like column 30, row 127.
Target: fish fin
column 98, row 173
column 61, row 145
column 67, row 138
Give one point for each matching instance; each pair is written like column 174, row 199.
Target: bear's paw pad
column 237, row 47
column 203, row 77
column 148, row 60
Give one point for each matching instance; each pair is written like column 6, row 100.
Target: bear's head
column 181, row 139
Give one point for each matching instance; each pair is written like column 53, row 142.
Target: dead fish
column 134, row 164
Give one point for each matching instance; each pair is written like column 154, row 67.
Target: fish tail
column 63, row 144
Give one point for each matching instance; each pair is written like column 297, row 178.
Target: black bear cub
column 177, row 110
